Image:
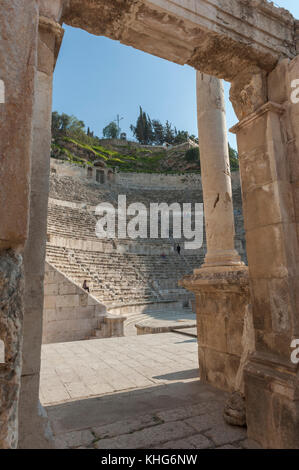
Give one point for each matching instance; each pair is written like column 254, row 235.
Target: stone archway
column 214, row 39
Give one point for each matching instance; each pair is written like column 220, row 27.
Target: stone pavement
column 135, row 392
column 89, row 368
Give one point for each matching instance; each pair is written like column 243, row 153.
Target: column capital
column 47, row 25
column 270, row 106
column 249, row 91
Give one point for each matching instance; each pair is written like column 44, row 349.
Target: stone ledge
column 227, row 279
column 152, row 328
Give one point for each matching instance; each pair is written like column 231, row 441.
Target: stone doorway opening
column 261, row 63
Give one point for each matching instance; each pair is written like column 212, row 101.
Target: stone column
column 34, row 432
column 18, row 46
column 221, row 284
column 215, row 173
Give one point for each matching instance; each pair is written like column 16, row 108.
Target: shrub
column 192, row 155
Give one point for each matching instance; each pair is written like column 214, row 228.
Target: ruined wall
column 158, row 181
column 70, row 314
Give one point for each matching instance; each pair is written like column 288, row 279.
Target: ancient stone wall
column 70, row 314
column 157, row 181
column 11, row 319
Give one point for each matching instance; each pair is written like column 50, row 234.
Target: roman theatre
column 240, row 290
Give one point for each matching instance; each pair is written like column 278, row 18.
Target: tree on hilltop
column 143, row 131
column 148, row 131
column 168, row 133
column 65, row 124
column 111, row 131
column 158, row 132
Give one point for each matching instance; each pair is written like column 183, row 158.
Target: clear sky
column 97, row 78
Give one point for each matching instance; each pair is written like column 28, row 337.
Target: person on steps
column 85, row 286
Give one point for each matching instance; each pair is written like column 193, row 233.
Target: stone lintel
column 270, row 106
column 218, row 38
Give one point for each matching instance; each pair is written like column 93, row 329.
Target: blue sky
column 97, row 78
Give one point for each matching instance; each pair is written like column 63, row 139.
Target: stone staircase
column 119, row 279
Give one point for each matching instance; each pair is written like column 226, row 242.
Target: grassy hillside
column 127, row 156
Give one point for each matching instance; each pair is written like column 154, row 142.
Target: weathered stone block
column 213, row 332
column 11, row 321
column 71, row 300
column 234, row 332
column 277, row 197
column 277, row 83
column 272, row 416
column 267, row 259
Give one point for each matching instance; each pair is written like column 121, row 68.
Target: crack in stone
column 216, row 200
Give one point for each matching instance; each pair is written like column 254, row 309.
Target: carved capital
column 50, row 26
column 248, row 92
column 47, row 25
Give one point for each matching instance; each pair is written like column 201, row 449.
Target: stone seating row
column 121, row 278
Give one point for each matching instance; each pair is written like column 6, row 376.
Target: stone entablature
column 218, row 38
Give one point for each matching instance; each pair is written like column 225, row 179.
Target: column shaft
column 215, row 171
column 33, row 425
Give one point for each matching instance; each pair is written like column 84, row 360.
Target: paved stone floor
column 133, row 392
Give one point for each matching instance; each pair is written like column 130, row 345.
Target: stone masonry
column 253, row 45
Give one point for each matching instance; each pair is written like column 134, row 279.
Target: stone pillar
column 268, row 142
column 215, row 173
column 221, row 284
column 18, row 45
column 34, row 432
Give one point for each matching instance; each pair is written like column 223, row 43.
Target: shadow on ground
column 106, row 409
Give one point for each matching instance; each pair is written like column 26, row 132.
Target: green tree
column 143, row 130
column 111, row 131
column 75, row 125
column 181, row 137
column 158, row 132
column 192, row 155
column 233, row 158
column 65, row 124
column 168, row 133
column 194, row 138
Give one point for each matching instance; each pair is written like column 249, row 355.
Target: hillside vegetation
column 70, row 142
